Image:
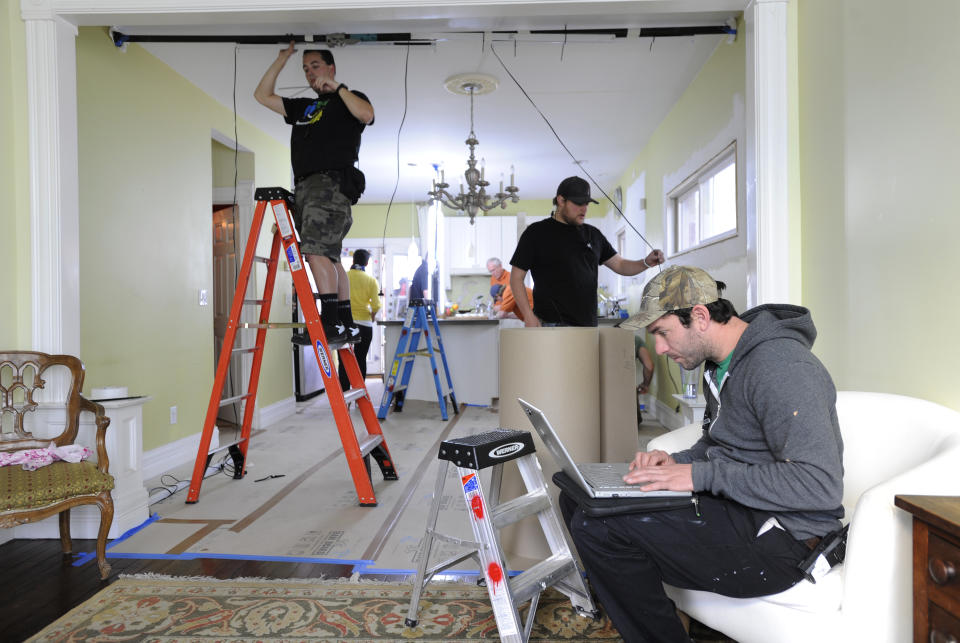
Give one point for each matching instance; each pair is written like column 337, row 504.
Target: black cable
column 386, row 217
column 236, row 137
column 567, row 149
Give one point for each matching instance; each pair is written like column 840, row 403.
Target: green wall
column 878, row 129
column 368, row 218
column 227, row 164
column 145, row 234
column 696, row 128
column 15, row 324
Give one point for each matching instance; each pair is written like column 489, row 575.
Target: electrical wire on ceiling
column 577, row 162
column 403, row 119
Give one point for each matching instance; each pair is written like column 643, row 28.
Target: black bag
column 599, row 507
column 352, row 183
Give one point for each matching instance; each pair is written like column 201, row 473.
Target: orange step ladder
column 357, row 450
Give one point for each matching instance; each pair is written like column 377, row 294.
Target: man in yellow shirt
column 364, row 304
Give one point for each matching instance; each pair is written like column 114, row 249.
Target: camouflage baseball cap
column 675, row 288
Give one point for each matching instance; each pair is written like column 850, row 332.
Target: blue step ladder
column 421, row 317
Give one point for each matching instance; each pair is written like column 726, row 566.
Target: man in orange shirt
column 499, row 276
column 504, row 302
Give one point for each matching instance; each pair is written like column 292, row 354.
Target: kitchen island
column 472, row 345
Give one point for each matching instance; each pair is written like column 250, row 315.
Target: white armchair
column 892, row 445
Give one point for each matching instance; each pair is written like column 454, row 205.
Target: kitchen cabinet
column 469, row 246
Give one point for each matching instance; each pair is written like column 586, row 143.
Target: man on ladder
column 324, row 148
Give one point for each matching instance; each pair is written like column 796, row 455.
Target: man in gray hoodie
column 768, row 469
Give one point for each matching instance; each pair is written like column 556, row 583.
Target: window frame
column 711, row 168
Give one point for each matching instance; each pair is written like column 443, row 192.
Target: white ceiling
column 603, row 96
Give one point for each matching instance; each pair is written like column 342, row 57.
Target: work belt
column 334, row 174
column 833, row 548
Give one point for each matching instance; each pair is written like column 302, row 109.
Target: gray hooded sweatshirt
column 771, row 440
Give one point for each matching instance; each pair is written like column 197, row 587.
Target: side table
column 936, row 561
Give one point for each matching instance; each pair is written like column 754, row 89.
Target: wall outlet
column 202, row 297
column 173, row 415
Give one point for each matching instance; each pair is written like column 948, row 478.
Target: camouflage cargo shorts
column 322, row 215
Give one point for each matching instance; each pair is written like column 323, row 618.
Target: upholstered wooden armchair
column 31, row 495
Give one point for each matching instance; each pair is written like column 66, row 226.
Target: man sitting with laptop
column 768, row 469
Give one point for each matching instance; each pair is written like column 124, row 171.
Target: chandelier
column 475, row 198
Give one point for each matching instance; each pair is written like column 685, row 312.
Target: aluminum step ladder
column 421, row 317
column 356, row 448
column 487, row 517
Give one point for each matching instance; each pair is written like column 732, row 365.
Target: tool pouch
column 352, row 183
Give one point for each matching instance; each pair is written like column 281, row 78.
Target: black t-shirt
column 325, row 135
column 563, row 260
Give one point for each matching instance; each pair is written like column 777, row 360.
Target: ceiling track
column 341, row 39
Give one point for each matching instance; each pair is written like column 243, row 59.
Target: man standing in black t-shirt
column 563, row 254
column 324, row 145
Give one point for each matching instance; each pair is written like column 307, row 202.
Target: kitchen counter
column 472, row 346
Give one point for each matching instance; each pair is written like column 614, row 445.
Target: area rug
column 170, row 610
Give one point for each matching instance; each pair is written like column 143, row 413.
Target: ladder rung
column 369, row 442
column 262, row 259
column 398, row 387
column 253, row 349
column 254, row 302
column 272, row 325
column 519, row 508
column 226, row 446
column 231, row 400
column 540, row 576
column 353, row 394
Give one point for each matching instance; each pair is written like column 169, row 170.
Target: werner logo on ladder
column 421, row 319
column 357, row 450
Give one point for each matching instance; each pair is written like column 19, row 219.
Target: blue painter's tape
column 273, row 559
column 85, row 557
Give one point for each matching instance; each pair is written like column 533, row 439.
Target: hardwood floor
column 42, row 584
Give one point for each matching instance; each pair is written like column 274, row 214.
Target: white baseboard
column 162, row 459
column 158, row 461
column 275, row 412
column 666, row 415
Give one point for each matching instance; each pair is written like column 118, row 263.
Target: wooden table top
column 942, row 512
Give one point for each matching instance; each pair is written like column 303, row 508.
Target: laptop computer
column 597, row 479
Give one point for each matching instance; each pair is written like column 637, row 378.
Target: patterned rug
column 201, row 610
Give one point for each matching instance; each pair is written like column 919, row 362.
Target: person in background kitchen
column 364, row 304
column 499, row 276
column 563, row 254
column 504, row 304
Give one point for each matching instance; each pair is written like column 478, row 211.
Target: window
column 704, row 207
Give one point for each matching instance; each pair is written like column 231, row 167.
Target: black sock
column 328, row 310
column 345, row 313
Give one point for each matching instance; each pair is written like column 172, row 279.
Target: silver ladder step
column 487, row 517
column 353, row 394
column 368, row 443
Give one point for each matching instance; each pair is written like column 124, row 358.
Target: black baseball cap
column 575, row 189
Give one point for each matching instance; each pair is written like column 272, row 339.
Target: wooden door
column 225, row 268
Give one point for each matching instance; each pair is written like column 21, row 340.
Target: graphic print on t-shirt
column 313, row 112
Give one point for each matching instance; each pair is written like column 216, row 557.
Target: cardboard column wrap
column 558, row 371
